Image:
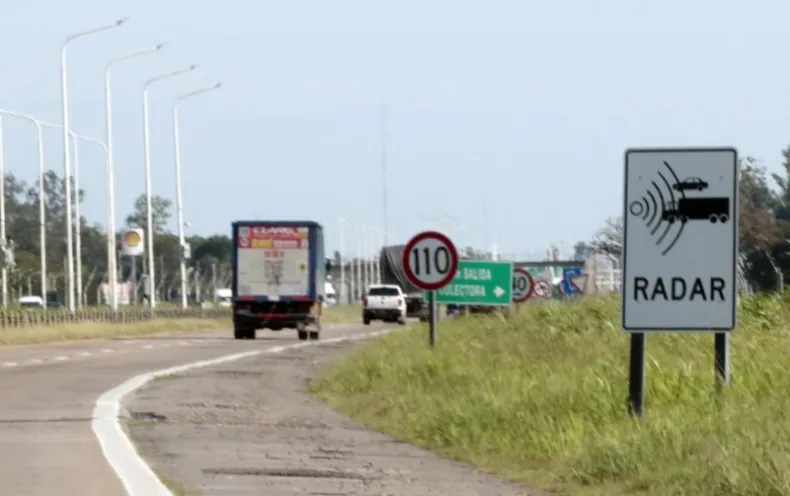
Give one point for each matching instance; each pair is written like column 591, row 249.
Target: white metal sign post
column 430, row 262
column 680, row 250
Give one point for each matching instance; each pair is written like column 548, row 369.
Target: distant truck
column 224, row 297
column 279, row 271
column 392, row 272
column 711, row 209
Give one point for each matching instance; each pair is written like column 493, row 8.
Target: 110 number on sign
column 430, row 260
column 440, row 261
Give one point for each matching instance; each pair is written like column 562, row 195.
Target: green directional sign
column 479, row 282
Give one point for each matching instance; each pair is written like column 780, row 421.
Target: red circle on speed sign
column 522, row 294
column 430, row 260
column 543, row 288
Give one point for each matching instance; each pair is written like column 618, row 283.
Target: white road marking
column 148, row 347
column 10, row 364
column 61, row 358
column 86, row 353
column 134, row 473
column 36, row 360
column 107, row 350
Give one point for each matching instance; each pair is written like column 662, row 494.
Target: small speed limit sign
column 430, row 260
column 542, row 288
column 523, row 285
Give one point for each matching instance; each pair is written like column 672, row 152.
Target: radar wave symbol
column 650, row 209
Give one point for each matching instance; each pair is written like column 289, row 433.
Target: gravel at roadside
column 248, row 428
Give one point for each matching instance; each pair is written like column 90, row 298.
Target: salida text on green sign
column 479, row 282
column 464, row 289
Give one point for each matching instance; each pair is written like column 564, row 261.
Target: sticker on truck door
column 273, row 261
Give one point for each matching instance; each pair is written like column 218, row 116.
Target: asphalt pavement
column 49, row 393
column 231, row 428
column 248, row 428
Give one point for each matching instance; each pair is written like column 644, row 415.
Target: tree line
column 209, row 255
column 763, row 224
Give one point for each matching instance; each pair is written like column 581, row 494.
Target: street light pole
column 342, row 287
column 179, row 197
column 350, row 291
column 112, row 268
column 149, row 210
column 67, row 150
column 41, row 197
column 74, row 137
column 376, row 255
column 78, row 226
column 2, row 218
column 360, row 256
column 369, row 253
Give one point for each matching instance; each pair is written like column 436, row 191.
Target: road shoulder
column 247, row 426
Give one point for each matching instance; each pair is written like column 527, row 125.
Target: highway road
column 228, row 429
column 49, row 393
column 248, row 428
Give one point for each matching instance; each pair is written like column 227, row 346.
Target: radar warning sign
column 680, row 246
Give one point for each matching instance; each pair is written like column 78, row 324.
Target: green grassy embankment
column 79, row 331
column 540, row 398
column 75, row 331
column 342, row 313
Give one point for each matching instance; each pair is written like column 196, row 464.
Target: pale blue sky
column 523, row 108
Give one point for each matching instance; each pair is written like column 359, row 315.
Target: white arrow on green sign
column 479, row 282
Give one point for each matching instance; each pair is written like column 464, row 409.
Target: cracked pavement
column 248, row 428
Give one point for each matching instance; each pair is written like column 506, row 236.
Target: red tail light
column 364, row 302
column 400, row 302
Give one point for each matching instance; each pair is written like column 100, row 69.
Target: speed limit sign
column 542, row 288
column 430, row 260
column 523, row 285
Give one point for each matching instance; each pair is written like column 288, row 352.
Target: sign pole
column 432, row 318
column 679, row 252
column 430, row 261
column 134, row 280
column 721, row 347
column 636, row 375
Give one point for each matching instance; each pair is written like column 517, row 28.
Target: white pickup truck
column 385, row 302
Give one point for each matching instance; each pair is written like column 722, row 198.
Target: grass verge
column 99, row 330
column 539, row 398
column 342, row 313
column 102, row 330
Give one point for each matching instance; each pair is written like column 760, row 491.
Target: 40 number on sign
column 430, row 260
column 523, row 285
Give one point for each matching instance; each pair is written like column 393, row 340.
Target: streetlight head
column 193, row 67
column 159, row 46
column 218, row 85
column 122, row 20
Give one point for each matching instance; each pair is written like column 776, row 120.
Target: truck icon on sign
column 685, row 209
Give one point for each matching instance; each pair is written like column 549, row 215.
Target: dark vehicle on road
column 712, row 209
column 392, row 272
column 690, row 183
